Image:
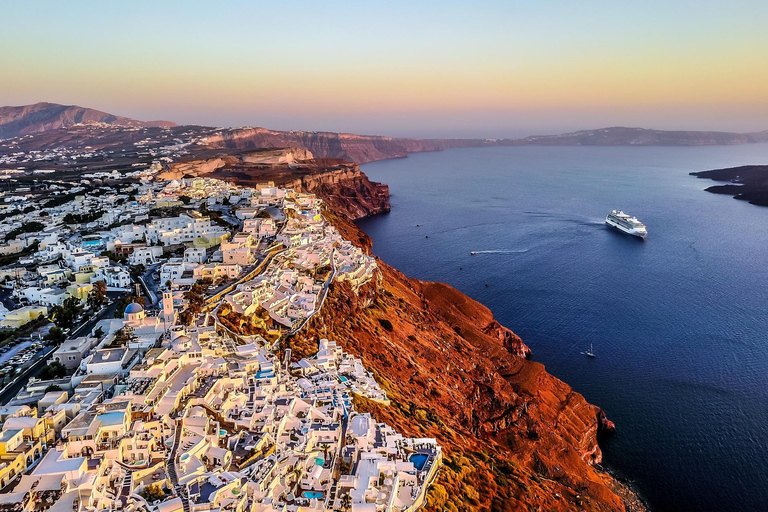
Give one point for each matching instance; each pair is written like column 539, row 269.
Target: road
column 247, row 276
column 11, row 391
column 106, row 312
column 150, row 284
column 322, row 299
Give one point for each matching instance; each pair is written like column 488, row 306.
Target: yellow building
column 22, row 316
column 79, row 290
column 167, row 203
column 22, row 442
column 207, row 243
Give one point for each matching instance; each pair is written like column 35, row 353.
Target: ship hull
column 638, row 234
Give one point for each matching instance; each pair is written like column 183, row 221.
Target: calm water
column 679, row 322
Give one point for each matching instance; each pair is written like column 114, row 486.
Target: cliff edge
column 516, row 438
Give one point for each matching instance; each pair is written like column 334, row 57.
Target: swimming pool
column 419, row 459
column 311, row 494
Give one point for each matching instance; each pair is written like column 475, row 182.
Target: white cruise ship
column 623, row 222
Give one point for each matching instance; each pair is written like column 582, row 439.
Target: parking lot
column 21, row 353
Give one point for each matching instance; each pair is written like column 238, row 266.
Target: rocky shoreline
column 747, row 182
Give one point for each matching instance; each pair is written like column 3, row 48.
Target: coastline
column 516, row 436
column 404, row 314
column 747, row 182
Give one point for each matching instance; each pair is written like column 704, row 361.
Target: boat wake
column 518, row 251
column 581, row 221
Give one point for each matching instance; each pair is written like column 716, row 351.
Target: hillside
column 347, row 146
column 45, row 121
column 515, row 437
column 42, row 117
column 748, row 182
column 621, row 136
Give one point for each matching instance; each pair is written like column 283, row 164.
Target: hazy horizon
column 495, row 69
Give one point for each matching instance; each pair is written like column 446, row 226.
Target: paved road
column 11, row 391
column 150, row 285
column 106, row 312
column 7, row 299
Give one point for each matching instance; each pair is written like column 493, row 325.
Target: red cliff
column 346, row 146
column 516, row 437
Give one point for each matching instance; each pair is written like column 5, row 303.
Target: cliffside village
column 157, row 311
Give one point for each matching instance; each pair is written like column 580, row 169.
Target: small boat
column 589, row 353
column 473, row 253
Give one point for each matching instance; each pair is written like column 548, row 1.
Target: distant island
column 50, row 123
column 748, row 182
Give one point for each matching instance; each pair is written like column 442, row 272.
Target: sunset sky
column 490, row 69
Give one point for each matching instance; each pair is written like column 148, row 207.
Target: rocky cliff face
column 342, row 185
column 346, row 146
column 41, row 117
column 346, row 189
column 516, row 437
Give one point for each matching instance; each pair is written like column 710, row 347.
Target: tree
column 153, row 493
column 124, row 336
column 98, row 296
column 55, row 335
column 185, row 317
column 99, row 333
column 120, row 311
column 55, row 370
column 27, row 227
column 195, row 298
column 185, row 199
column 52, row 387
column 64, row 316
column 138, row 270
column 346, row 501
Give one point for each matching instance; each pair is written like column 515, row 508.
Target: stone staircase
column 171, row 469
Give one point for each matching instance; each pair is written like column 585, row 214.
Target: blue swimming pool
column 311, row 494
column 419, row 459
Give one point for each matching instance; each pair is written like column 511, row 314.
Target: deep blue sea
column 679, row 322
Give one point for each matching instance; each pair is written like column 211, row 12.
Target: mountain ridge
column 40, row 117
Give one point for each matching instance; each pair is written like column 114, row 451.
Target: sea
column 678, row 322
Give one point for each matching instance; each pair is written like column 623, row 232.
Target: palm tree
column 346, row 501
column 297, row 476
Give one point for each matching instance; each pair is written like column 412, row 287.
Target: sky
column 421, row 69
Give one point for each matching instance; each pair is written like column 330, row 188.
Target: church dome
column 133, row 308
